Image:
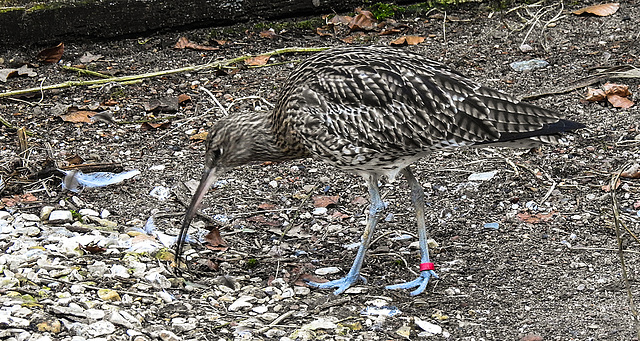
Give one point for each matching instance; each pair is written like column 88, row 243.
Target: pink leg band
column 426, row 266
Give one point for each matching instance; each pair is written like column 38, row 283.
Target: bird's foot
column 420, row 282
column 341, row 284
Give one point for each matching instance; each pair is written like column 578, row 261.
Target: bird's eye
column 216, row 153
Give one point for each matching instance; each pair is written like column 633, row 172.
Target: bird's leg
column 426, row 267
column 374, row 213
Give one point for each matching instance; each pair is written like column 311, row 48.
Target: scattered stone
column 327, row 271
column 529, row 65
column 88, row 212
column 428, row 327
column 60, row 216
column 108, row 295
column 242, row 302
column 101, row 328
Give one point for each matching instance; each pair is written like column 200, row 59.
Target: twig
column 616, row 218
column 276, row 321
column 85, row 71
column 546, row 196
column 214, row 65
column 250, row 97
column 215, row 100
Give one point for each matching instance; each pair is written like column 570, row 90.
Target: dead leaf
column 269, row 34
column 407, row 40
column 199, row 136
column 92, row 248
column 340, row 215
column 184, row 43
column 595, row 95
column 607, row 187
column 364, row 21
column 266, row 206
column 51, row 55
column 601, row 10
column 6, row 73
column 17, row 199
column 325, row 200
column 75, row 160
column 340, row 20
column 221, row 42
column 536, row 218
column 616, row 89
column 359, row 201
column 262, row 220
column 304, row 278
column 350, row 39
column 390, row 31
column 155, row 126
column 619, row 101
column 88, row 57
column 632, row 172
column 183, row 98
column 257, row 60
column 324, row 32
column 78, row 116
column 168, row 104
column 215, row 241
column 23, row 70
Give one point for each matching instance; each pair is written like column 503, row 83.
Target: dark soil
column 551, row 274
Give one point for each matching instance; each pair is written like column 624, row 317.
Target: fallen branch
column 214, row 65
column 624, row 71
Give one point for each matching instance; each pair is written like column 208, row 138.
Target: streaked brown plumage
column 374, row 111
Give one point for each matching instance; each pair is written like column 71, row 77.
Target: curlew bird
column 374, row 111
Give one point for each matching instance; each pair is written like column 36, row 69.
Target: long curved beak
column 208, row 178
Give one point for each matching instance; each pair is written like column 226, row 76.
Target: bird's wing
column 390, row 101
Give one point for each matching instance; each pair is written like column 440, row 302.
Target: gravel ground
column 528, row 254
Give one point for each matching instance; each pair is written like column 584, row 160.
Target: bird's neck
column 252, row 139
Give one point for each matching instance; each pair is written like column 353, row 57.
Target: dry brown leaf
column 221, row 42
column 407, row 40
column 601, row 10
column 616, row 89
column 79, row 116
column 155, row 126
column 632, row 172
column 257, row 60
column 302, row 280
column 269, row 34
column 215, row 241
column 199, row 136
column 92, row 248
column 184, row 43
column 595, row 95
column 340, row 20
column 390, row 31
column 16, row 199
column 262, row 220
column 51, row 55
column 364, row 21
column 359, row 201
column 183, row 98
column 607, row 187
column 536, row 218
column 266, row 206
column 75, row 160
column 324, row 32
column 325, row 200
column 619, row 101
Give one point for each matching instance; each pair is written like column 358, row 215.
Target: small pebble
column 327, row 271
